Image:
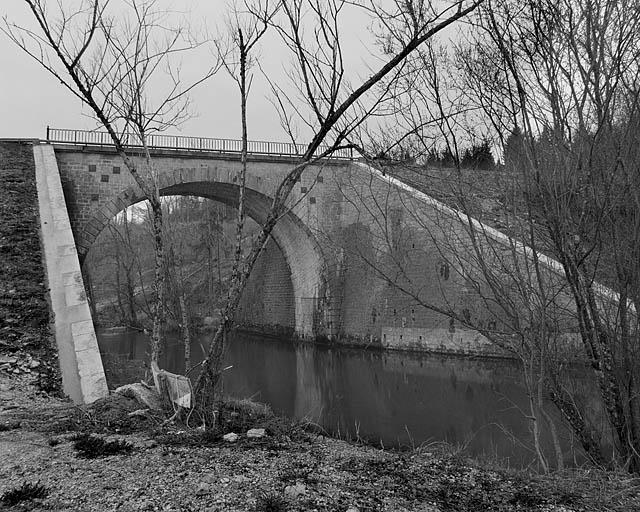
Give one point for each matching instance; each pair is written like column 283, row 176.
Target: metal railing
column 184, row 143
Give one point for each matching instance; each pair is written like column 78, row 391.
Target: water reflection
column 398, row 398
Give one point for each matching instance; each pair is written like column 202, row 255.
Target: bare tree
column 246, row 25
column 575, row 65
column 176, row 230
column 336, row 108
column 112, row 62
column 557, row 84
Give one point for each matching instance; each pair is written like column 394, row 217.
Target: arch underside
column 300, row 249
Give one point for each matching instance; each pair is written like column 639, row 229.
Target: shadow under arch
column 298, row 245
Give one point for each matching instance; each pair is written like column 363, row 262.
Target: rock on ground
column 145, row 395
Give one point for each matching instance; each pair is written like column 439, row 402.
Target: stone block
column 72, row 278
column 65, row 250
column 81, row 327
column 85, row 342
column 74, row 294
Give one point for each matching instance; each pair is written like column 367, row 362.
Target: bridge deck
column 185, row 143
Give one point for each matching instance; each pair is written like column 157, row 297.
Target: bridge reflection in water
column 400, row 399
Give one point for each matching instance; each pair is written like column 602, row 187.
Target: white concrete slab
column 83, row 376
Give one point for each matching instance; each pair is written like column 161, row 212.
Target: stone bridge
column 339, row 262
column 356, row 258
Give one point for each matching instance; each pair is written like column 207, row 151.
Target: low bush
column 271, row 502
column 26, row 492
column 91, row 447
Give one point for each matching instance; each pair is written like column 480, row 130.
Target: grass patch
column 9, row 425
column 90, row 447
column 271, row 502
column 26, row 492
column 241, row 415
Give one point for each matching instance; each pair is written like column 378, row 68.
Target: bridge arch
column 299, row 247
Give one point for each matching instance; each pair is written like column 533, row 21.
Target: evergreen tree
column 478, row 156
column 513, row 151
column 448, row 159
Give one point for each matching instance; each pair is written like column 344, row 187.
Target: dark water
column 400, row 399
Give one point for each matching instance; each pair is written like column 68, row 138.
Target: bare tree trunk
column 588, row 439
column 238, row 272
column 123, row 315
column 129, row 282
column 219, row 261
column 131, row 298
column 555, row 439
column 186, row 334
column 209, row 269
column 88, row 283
column 159, row 280
column 534, row 392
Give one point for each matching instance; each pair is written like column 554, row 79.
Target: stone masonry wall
column 268, row 301
column 381, row 245
column 97, row 186
column 361, row 252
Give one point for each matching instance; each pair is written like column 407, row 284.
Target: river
column 396, row 399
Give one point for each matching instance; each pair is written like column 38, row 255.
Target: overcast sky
column 31, row 99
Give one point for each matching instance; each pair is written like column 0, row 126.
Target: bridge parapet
column 186, row 143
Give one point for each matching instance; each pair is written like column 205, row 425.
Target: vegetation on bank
column 119, row 268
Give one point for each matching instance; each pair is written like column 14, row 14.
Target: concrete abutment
column 83, row 377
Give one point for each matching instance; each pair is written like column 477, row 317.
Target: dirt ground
column 45, row 463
